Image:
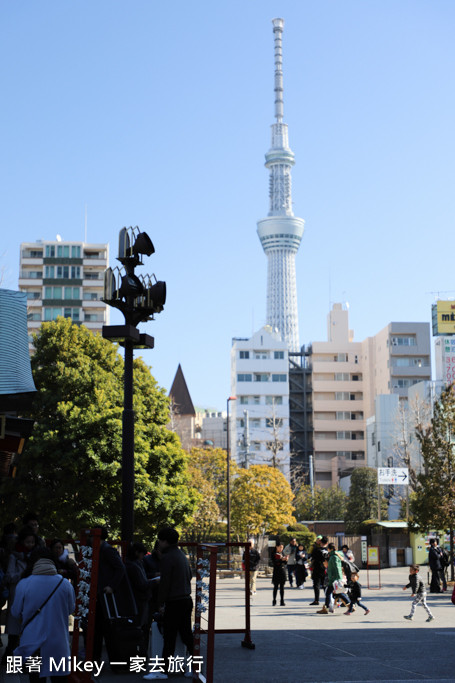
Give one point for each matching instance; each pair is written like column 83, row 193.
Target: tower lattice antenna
column 281, row 232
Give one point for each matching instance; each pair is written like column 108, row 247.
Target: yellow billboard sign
column 443, row 318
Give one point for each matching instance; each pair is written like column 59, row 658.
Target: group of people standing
column 37, row 584
column 332, row 573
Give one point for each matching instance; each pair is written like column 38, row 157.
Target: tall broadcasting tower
column 281, row 232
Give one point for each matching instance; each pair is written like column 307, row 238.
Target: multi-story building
column 395, row 359
column 338, row 401
column 212, row 428
column 348, row 379
column 64, row 278
column 259, row 418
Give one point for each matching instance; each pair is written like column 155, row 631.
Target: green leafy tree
column 212, row 464
column 70, row 472
column 261, row 501
column 298, row 531
column 203, row 525
column 432, row 506
column 362, row 502
column 329, row 503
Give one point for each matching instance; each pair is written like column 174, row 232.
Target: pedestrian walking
column 291, row 552
column 354, row 594
column 436, row 562
column 174, row 599
column 43, row 602
column 318, row 556
column 335, row 582
column 301, row 571
column 255, row 558
column 419, row 593
column 279, row 560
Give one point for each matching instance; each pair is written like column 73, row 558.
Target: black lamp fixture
column 138, row 297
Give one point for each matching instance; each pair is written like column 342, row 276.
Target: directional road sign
column 393, row 475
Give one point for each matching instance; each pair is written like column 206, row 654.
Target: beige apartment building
column 346, row 378
column 338, row 401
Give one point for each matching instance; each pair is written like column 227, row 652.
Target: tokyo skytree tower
column 281, row 232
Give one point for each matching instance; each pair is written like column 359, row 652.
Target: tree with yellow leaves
column 261, row 501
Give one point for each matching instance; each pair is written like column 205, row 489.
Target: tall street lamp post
column 228, row 482
column 138, row 298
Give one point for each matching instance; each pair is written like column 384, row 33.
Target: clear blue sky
column 158, row 114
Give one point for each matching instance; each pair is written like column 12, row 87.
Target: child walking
column 419, row 592
column 355, row 593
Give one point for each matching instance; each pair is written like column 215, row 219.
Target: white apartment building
column 64, row 278
column 259, row 417
column 211, row 428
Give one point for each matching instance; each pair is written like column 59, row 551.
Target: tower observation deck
column 281, row 232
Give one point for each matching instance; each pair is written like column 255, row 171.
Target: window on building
column 33, row 295
column 278, row 355
column 76, row 272
column 34, row 316
column 256, row 400
column 90, row 296
column 49, row 272
column 244, row 377
column 256, row 445
column 341, row 358
column 261, row 377
column 244, row 354
column 63, row 251
column 273, row 422
column 279, row 378
column 50, row 251
column 73, row 313
column 63, row 272
column 52, row 313
column 274, row 400
column 404, row 340
column 343, row 415
column 243, row 400
column 342, row 376
column 72, row 293
column 342, row 396
column 260, row 355
column 75, row 252
column 255, row 422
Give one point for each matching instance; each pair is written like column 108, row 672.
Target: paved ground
column 294, row 644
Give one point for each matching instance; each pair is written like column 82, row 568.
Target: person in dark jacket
column 418, row 592
column 65, row 565
column 142, row 590
column 355, row 593
column 112, row 578
column 318, row 557
column 301, row 571
column 255, row 558
column 174, row 594
column 435, row 560
column 279, row 561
